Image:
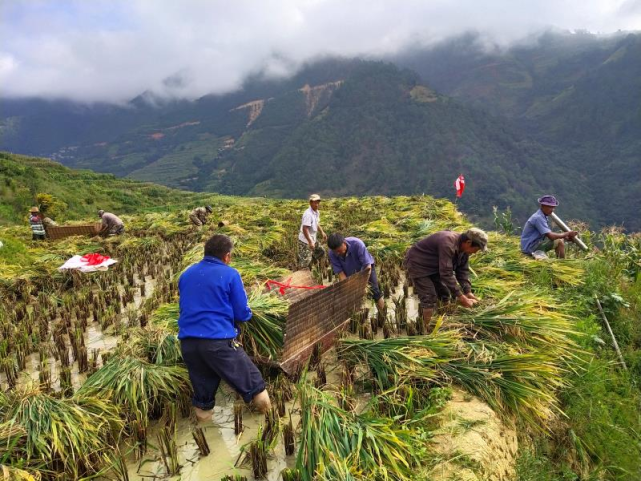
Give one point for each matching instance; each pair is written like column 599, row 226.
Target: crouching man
column 212, row 300
column 439, row 264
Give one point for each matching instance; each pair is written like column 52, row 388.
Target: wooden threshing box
column 60, row 232
column 316, row 316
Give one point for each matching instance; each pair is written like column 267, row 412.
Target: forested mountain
column 579, row 94
column 559, row 114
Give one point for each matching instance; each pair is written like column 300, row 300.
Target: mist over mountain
column 559, row 113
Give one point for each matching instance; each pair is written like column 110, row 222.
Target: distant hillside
column 579, row 94
column 81, row 193
column 558, row 115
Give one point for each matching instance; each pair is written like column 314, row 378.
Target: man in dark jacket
column 439, row 264
column 212, row 301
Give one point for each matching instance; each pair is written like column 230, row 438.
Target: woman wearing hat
column 537, row 234
column 37, row 226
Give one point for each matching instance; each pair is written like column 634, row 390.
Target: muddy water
column 94, row 338
column 224, row 445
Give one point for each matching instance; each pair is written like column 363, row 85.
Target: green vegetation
column 534, row 349
column 75, row 194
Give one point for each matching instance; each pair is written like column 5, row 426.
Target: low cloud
column 113, row 50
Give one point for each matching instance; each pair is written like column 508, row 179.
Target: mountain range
column 558, row 114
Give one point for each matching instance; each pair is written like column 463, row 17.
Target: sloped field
column 93, row 381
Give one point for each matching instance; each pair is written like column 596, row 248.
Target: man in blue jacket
column 349, row 255
column 212, row 301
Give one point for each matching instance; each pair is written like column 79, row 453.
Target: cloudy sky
column 112, row 50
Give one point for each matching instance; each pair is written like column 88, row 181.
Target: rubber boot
column 427, row 321
column 261, row 402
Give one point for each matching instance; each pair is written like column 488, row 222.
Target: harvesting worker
column 36, row 222
column 308, row 247
column 199, row 215
column 537, row 234
column 349, row 255
column 439, row 268
column 212, row 301
column 111, row 224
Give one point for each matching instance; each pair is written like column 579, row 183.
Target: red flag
column 459, row 185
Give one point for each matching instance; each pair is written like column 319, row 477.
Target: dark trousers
column 374, row 290
column 211, row 360
column 430, row 290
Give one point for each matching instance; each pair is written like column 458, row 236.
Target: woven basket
column 60, row 232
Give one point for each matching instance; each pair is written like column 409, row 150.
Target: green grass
column 84, row 192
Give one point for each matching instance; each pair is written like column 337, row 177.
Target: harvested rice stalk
column 523, row 320
column 153, row 344
column 139, row 388
column 523, row 385
column 263, row 335
column 65, row 435
column 14, row 474
column 367, row 444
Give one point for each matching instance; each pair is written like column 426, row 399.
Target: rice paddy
column 93, row 382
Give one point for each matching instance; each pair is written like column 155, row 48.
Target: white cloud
column 115, row 49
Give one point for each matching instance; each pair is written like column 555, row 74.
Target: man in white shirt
column 308, row 247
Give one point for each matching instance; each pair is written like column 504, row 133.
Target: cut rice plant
column 153, row 344
column 65, row 435
column 15, row 474
column 263, row 335
column 138, row 388
column 166, row 316
column 523, row 385
column 253, row 271
column 367, row 444
column 395, row 357
column 522, row 320
column 412, row 403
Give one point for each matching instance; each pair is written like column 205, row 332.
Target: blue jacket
column 212, row 300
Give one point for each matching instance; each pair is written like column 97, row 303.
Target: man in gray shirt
column 439, row 264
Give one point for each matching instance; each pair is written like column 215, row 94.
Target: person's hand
column 311, row 245
column 466, row 302
column 469, row 295
column 572, row 234
column 324, row 236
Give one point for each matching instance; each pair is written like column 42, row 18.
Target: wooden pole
column 614, row 340
column 565, row 228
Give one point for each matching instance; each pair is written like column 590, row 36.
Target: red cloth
column 287, row 285
column 94, row 259
column 459, row 185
